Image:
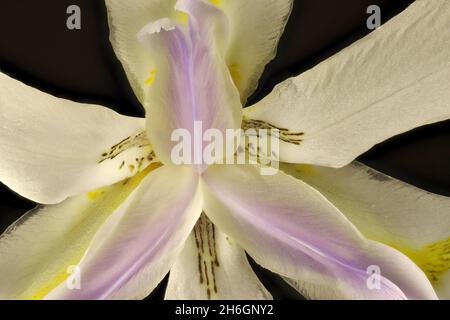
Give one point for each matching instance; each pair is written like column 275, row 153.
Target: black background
column 38, row 49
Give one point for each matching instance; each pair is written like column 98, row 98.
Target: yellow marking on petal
column 182, row 17
column 235, row 72
column 433, row 259
column 76, row 241
column 92, row 195
column 217, row 3
column 151, row 78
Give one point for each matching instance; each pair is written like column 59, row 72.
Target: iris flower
column 117, row 209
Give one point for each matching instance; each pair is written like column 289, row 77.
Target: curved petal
column 246, row 54
column 192, row 85
column 38, row 250
column 414, row 221
column 125, row 19
column 53, row 148
column 395, row 79
column 213, row 266
column 131, row 256
column 255, row 29
column 291, row 229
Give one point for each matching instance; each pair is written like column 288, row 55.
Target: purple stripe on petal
column 290, row 228
column 193, row 83
column 137, row 251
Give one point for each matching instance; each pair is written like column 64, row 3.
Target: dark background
column 38, row 49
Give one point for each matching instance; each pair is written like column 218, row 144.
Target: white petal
column 291, row 229
column 414, row 221
column 130, row 257
column 126, row 18
column 38, row 250
column 255, row 29
column 213, row 266
column 53, row 148
column 395, row 79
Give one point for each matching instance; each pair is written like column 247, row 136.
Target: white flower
column 125, row 215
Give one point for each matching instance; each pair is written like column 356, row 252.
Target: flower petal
column 414, row 221
column 38, row 250
column 213, row 266
column 53, row 148
column 395, row 79
column 192, row 83
column 291, row 229
column 255, row 29
column 131, row 256
column 125, row 19
column 246, row 54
